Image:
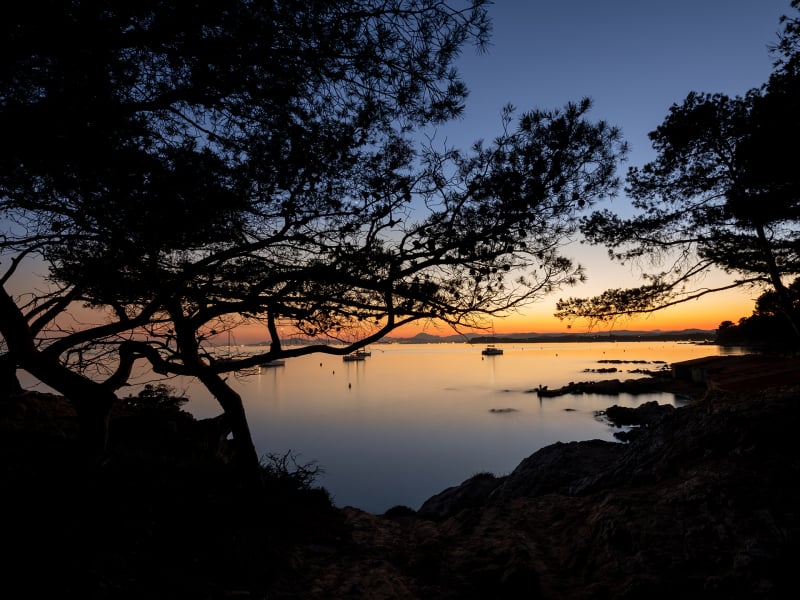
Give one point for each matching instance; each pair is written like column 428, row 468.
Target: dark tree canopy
column 723, row 192
column 193, row 167
column 767, row 327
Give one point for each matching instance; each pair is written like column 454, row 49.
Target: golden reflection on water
column 414, row 419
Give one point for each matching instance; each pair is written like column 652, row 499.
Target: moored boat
column 273, row 363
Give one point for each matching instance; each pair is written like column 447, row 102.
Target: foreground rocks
column 701, row 504
column 655, row 383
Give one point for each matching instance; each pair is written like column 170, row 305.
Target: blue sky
column 634, row 58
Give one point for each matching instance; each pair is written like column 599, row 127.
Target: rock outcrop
column 703, row 504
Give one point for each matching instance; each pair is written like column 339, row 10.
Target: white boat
column 353, row 357
column 363, row 352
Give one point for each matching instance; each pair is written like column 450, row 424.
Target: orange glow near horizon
column 705, row 313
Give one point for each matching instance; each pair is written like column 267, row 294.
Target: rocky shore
column 683, row 390
column 701, row 503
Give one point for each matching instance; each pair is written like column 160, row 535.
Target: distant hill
column 533, row 337
column 695, row 335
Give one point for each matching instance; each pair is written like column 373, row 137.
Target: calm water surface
column 414, row 419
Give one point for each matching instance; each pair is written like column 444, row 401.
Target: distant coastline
column 697, row 336
column 707, row 336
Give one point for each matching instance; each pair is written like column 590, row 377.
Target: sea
column 411, row 420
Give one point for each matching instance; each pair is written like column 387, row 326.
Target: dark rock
column 400, row 510
column 644, row 414
column 612, row 387
column 701, row 505
column 470, row 494
column 558, row 468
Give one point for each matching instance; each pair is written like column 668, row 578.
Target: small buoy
column 349, row 385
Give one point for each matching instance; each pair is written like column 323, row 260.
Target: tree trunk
column 9, row 384
column 245, row 453
column 784, row 297
column 92, row 401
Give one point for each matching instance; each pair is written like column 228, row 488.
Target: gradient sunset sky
column 634, row 58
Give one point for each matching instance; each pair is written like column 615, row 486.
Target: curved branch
column 628, row 302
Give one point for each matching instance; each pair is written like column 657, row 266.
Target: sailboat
column 491, row 349
column 360, row 354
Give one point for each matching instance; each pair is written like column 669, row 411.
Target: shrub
column 159, row 398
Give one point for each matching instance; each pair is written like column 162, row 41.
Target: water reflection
column 412, row 420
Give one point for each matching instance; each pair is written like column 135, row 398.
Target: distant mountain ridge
column 533, row 337
column 694, row 335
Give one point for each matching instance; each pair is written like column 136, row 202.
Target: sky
column 634, row 59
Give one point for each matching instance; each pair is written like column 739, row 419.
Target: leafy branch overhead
column 723, row 193
column 292, row 187
column 186, row 169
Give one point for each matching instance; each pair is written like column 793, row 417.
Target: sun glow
column 706, row 313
